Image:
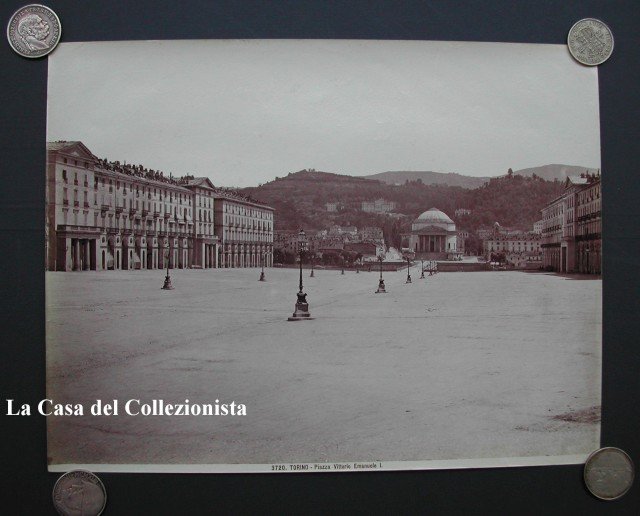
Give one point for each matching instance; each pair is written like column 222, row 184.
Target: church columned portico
column 433, row 236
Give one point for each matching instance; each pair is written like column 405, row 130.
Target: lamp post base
column 422, row 275
column 302, row 309
column 167, row 283
column 311, row 275
column 262, row 277
column 302, row 313
column 381, row 289
column 408, row 279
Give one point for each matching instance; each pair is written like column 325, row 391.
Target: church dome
column 434, row 216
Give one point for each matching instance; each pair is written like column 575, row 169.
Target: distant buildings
column 378, row 206
column 521, row 251
column 537, row 227
column 367, row 250
column 103, row 215
column 343, row 230
column 572, row 227
column 462, row 235
column 371, row 234
column 461, row 212
column 332, row 207
column 368, row 241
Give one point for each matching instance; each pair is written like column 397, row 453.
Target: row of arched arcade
column 245, row 255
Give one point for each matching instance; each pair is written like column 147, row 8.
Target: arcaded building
column 571, row 227
column 433, row 236
column 245, row 231
column 103, row 215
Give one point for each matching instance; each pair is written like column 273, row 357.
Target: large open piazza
column 459, row 365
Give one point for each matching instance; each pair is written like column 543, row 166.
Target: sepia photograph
column 321, row 255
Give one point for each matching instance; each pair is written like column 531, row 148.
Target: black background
column 24, row 482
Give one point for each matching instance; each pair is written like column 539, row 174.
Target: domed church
column 433, row 236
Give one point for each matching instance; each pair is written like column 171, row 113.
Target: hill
column 547, row 172
column 429, row 178
column 551, row 172
column 300, row 200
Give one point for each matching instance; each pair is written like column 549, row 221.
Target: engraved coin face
column 79, row 493
column 34, row 31
column 608, row 473
column 590, row 42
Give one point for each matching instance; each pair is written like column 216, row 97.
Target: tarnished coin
column 590, row 42
column 79, row 493
column 34, row 31
column 608, row 473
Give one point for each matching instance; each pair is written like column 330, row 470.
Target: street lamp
column 301, row 312
column 262, row 278
column 381, row 289
column 342, row 265
column 167, row 280
column 408, row 255
column 313, row 261
column 421, row 269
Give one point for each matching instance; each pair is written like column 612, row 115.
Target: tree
column 499, row 257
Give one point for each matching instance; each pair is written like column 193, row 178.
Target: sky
column 243, row 112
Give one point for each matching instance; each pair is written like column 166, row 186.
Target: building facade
column 378, row 206
column 245, row 231
column 571, row 232
column 103, row 215
column 521, row 251
column 205, row 242
column 588, row 230
column 537, row 227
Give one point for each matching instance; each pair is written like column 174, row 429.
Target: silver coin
column 608, row 473
column 34, row 31
column 79, row 493
column 590, row 42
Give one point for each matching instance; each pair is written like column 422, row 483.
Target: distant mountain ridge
column 551, row 172
column 428, row 178
column 547, row 172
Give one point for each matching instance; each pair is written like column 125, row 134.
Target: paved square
column 458, row 365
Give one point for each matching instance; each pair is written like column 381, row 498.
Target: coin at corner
column 590, row 42
column 34, row 31
column 79, row 492
column 608, row 473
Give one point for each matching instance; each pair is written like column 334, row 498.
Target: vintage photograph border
column 23, row 302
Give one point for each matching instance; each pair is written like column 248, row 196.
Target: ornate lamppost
column 167, row 280
column 408, row 255
column 313, row 261
column 301, row 312
column 381, row 289
column 262, row 278
column 421, row 269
